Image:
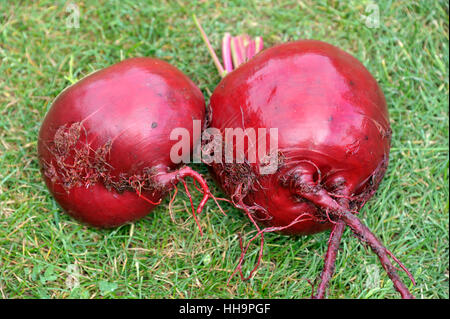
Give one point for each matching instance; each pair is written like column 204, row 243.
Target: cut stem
column 259, row 44
column 216, row 60
column 235, row 50
column 226, row 52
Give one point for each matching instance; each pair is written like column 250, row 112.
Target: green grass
column 44, row 253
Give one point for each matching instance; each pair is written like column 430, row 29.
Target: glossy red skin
column 136, row 103
column 328, row 110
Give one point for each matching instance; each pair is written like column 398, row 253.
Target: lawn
column 46, row 254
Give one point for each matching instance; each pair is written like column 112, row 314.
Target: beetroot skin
column 333, row 142
column 104, row 144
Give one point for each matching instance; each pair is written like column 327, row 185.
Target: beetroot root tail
column 180, row 175
column 330, row 259
column 340, row 213
column 189, row 172
column 365, row 235
column 259, row 233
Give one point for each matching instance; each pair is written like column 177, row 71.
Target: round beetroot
column 329, row 111
column 104, row 145
column 333, row 144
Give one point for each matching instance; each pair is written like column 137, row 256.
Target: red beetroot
column 331, row 118
column 104, row 144
column 333, row 144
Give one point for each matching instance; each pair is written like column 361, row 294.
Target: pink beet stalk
column 251, row 49
column 245, row 38
column 210, row 48
column 226, row 52
column 235, row 50
column 259, row 44
column 241, row 48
